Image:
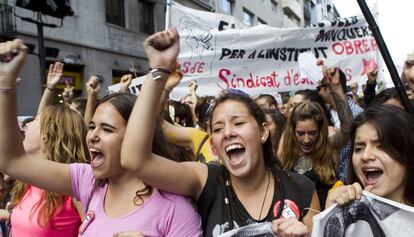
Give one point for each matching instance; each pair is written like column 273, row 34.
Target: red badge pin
column 88, row 219
column 290, row 210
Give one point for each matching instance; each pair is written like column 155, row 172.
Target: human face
column 283, row 109
column 373, row 166
column 104, row 139
column 262, row 102
column 306, row 134
column 32, row 141
column 296, row 99
column 236, row 137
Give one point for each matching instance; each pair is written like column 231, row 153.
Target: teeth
column 372, row 170
column 233, row 146
column 94, row 150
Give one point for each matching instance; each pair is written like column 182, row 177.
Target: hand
column 129, row 234
column 92, row 86
column 67, row 93
column 12, row 56
column 344, row 195
column 192, row 87
column 125, row 82
column 54, row 74
column 372, row 74
column 162, row 49
column 331, row 78
column 289, row 228
column 173, row 79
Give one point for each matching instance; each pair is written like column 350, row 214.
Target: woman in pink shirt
column 36, row 212
column 112, row 198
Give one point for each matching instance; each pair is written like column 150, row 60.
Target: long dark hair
column 395, row 129
column 384, row 96
column 271, row 162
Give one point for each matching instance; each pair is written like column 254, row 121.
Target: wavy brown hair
column 62, row 134
column 322, row 154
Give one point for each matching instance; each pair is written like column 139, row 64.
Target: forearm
column 165, row 94
column 142, row 119
column 47, row 99
column 369, row 93
column 345, row 117
column 11, row 145
column 90, row 106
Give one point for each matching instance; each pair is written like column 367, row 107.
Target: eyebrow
column 232, row 117
column 103, row 125
column 316, row 130
column 108, row 125
column 376, row 141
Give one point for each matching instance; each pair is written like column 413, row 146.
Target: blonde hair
column 62, row 134
column 322, row 155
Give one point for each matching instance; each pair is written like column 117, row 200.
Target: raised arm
column 341, row 137
column 125, row 82
column 53, row 77
column 93, row 88
column 185, row 178
column 192, row 88
column 369, row 92
column 14, row 161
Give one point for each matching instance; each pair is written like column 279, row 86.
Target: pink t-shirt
column 162, row 214
column 65, row 223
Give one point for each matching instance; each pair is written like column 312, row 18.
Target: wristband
column 157, row 73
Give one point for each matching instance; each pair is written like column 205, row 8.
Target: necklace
column 264, row 199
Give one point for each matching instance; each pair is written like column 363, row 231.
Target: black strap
column 201, row 146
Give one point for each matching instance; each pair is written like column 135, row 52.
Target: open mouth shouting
column 97, row 157
column 372, row 175
column 235, row 153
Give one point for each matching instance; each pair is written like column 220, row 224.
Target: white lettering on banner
column 220, row 52
column 370, row 216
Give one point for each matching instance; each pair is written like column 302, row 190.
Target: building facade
column 104, row 37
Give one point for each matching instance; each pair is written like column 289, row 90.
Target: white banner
column 370, row 216
column 220, row 52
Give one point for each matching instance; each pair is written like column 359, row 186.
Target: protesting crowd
column 229, row 164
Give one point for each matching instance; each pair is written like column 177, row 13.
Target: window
column 247, row 17
column 274, row 5
column 225, row 6
column 146, row 21
column 114, row 12
column 261, row 22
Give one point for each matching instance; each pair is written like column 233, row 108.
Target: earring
column 263, row 139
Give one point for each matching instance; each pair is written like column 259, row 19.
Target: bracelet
column 7, row 89
column 161, row 70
